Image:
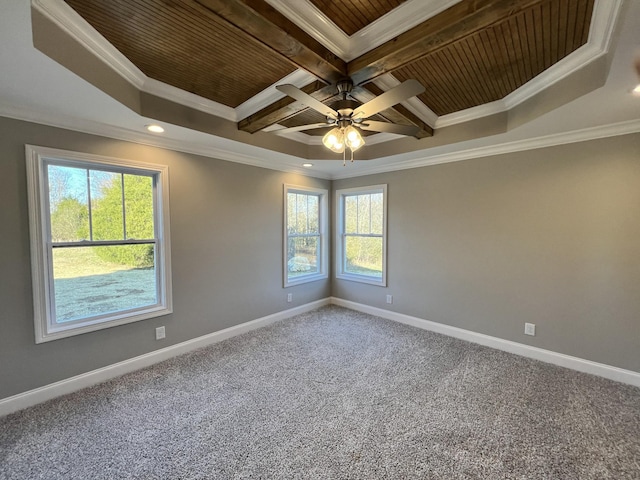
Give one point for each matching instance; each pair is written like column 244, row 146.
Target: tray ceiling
column 468, row 55
column 61, row 71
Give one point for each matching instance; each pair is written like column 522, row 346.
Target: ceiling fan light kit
column 349, row 116
column 339, row 138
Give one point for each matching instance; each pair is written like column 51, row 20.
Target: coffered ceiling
column 468, row 55
column 210, row 67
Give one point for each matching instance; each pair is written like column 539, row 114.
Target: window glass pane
column 291, row 213
column 106, row 205
column 364, row 213
column 138, row 202
column 68, row 205
column 302, row 256
column 363, row 256
column 312, row 208
column 351, row 214
column 302, row 214
column 91, row 281
column 377, row 213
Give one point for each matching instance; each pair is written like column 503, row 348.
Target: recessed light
column 307, row 165
column 155, row 128
column 636, row 91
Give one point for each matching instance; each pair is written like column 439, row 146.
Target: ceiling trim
column 272, row 29
column 605, row 15
column 299, row 78
column 80, row 30
column 317, row 139
column 229, row 150
column 576, row 136
column 188, row 99
column 322, row 28
column 415, row 106
column 250, row 155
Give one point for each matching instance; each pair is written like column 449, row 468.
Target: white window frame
column 37, row 159
column 322, row 226
column 341, row 236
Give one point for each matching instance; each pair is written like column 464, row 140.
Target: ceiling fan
column 348, row 116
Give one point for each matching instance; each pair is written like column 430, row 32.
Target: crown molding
column 255, row 156
column 317, row 139
column 188, row 99
column 603, row 20
column 228, row 150
column 415, row 106
column 387, row 27
column 397, row 21
column 576, row 136
column 295, row 136
column 315, row 23
column 79, row 29
column 298, row 78
column 411, row 13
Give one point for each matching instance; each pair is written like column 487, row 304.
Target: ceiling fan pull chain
column 344, row 157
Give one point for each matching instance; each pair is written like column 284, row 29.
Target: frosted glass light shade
column 353, row 139
column 334, row 140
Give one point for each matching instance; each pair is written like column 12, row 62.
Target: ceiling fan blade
column 410, row 130
column 301, row 128
column 402, row 92
column 308, row 100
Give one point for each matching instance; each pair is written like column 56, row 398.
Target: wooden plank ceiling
column 491, row 63
column 183, row 44
column 352, row 16
column 230, row 50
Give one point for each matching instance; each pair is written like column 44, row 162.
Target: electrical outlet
column 289, row 297
column 530, row 329
column 160, row 333
column 389, row 298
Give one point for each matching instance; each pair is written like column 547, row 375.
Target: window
column 99, row 241
column 305, row 234
column 361, row 234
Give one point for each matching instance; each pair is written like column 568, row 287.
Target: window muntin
column 100, row 241
column 305, row 234
column 361, row 242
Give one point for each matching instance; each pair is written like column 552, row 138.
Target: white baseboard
column 587, row 366
column 78, row 382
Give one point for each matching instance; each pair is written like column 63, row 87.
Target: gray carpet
column 334, row 394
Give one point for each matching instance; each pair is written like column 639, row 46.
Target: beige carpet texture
column 334, row 394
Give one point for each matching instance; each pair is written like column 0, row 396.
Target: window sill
column 351, row 277
column 70, row 330
column 305, row 279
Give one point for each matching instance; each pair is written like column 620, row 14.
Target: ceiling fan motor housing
column 345, row 108
column 344, row 87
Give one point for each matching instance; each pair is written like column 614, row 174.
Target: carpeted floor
column 334, row 394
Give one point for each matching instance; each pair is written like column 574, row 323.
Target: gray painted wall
column 548, row 236
column 226, row 239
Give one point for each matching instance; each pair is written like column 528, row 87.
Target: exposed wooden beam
column 398, row 114
column 285, row 108
column 455, row 23
column 258, row 19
